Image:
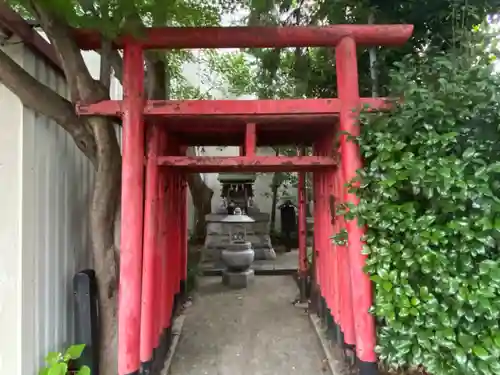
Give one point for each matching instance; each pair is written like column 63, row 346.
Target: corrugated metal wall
column 56, row 186
column 10, row 225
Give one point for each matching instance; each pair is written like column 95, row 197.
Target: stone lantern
column 238, row 255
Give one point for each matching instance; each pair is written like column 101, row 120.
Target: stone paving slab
column 256, row 331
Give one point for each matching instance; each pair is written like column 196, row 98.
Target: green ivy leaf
column 480, row 352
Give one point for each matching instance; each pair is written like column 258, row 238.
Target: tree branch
column 44, row 100
column 105, row 65
column 116, row 61
column 82, row 86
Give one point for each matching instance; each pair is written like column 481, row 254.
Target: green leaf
column 496, row 340
column 480, row 352
column 494, row 167
column 60, row 368
column 75, row 351
column 84, row 371
column 52, row 358
column 469, row 153
column 460, row 356
column 387, row 285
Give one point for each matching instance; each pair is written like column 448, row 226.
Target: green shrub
column 429, row 196
column 58, row 363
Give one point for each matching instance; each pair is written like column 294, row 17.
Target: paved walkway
column 256, row 331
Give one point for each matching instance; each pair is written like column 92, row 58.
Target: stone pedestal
column 238, row 280
column 257, row 234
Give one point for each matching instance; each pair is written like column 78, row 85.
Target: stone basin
column 238, row 256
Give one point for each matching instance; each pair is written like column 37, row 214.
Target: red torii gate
column 154, row 221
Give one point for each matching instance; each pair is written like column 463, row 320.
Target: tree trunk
column 104, row 207
column 373, row 61
column 202, row 202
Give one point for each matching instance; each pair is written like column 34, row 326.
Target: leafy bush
column 58, row 363
column 429, row 196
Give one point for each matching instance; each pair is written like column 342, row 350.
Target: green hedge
column 430, row 197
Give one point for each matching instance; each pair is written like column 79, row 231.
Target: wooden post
column 176, row 243
column 129, row 305
column 184, row 229
column 170, row 222
column 301, row 229
column 162, row 241
column 321, row 225
column 250, row 139
column 149, row 336
column 320, row 255
column 361, row 288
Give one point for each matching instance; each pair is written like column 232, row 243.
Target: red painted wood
column 345, row 308
column 162, row 217
column 325, row 235
column 176, row 243
column 176, row 239
column 174, row 232
column 302, row 222
column 129, row 307
column 250, row 139
column 322, row 209
column 361, row 287
column 327, row 145
column 247, row 164
column 253, row 37
column 170, row 222
column 184, row 228
column 335, row 250
column 149, row 337
column 316, row 232
column 245, row 109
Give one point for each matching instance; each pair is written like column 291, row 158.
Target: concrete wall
column 45, row 184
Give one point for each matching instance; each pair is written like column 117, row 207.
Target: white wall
column 45, row 183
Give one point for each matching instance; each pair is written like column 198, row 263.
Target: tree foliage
column 429, row 197
column 311, row 71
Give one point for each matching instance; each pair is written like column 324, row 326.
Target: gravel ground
column 256, row 331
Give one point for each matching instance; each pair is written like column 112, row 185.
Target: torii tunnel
column 156, row 134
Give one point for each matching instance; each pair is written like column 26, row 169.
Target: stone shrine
column 237, row 191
